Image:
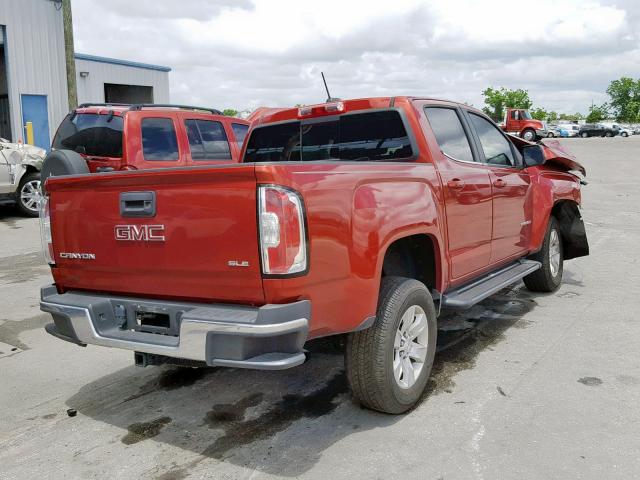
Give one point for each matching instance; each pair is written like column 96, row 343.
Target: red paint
column 478, row 217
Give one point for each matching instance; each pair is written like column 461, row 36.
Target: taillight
column 283, row 242
column 45, row 230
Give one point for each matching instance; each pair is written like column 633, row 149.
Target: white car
column 622, row 131
column 20, row 167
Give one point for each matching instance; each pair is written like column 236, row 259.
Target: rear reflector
column 282, row 235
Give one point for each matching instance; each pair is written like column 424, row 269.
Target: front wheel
column 624, row 134
column 28, row 194
column 550, row 135
column 584, row 134
column 549, row 276
column 529, row 135
column 388, row 365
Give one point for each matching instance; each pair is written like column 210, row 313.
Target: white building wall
column 35, row 58
column 91, row 88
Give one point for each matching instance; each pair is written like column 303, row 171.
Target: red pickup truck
column 360, row 217
column 140, row 136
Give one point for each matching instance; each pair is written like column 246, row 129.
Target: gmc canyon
column 361, row 217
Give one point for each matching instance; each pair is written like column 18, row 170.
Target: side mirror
column 533, row 155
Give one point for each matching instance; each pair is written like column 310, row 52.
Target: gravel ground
column 525, row 385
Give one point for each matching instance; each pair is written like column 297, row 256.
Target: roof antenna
column 329, row 97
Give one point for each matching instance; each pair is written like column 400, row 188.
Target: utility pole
column 69, row 54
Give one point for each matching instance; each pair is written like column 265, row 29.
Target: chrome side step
column 468, row 295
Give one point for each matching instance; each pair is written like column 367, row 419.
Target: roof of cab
column 271, row 115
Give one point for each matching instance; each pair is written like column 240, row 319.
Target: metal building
column 101, row 79
column 33, row 85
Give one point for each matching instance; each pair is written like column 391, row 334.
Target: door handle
column 455, row 184
column 499, row 183
column 138, row 204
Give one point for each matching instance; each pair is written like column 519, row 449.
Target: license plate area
column 153, row 322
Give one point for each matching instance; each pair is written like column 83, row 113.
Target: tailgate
column 200, row 244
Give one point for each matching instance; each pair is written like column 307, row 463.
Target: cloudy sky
column 248, row 53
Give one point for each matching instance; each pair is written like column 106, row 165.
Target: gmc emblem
column 140, row 233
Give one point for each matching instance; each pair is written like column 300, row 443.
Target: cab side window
column 159, row 142
column 207, row 140
column 496, row 148
column 449, row 133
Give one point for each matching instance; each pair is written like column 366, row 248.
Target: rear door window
column 240, row 132
column 207, row 140
column 496, row 148
column 159, row 142
column 370, row 136
column 91, row 134
column 450, row 134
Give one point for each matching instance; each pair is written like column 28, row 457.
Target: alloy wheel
column 410, row 346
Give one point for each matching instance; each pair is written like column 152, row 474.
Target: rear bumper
column 270, row 337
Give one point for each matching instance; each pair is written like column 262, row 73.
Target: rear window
column 159, row 141
column 239, row 131
column 371, row 136
column 90, row 133
column 207, row 140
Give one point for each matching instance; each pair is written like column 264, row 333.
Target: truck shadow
column 276, row 422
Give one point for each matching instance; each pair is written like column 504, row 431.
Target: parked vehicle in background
column 619, row 129
column 518, row 121
column 20, row 176
column 351, row 217
column 553, row 131
column 134, row 137
column 596, row 130
column 572, row 129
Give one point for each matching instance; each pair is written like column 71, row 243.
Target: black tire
column 624, row 134
column 551, row 135
column 27, row 201
column 62, row 162
column 584, row 134
column 608, row 134
column 530, row 132
column 544, row 279
column 369, row 354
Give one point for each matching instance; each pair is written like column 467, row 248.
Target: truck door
column 516, row 121
column 511, row 190
column 466, row 187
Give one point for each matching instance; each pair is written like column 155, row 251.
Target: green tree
column 553, row 116
column 497, row 99
column 597, row 113
column 230, row 112
column 572, row 117
column 625, row 99
column 539, row 113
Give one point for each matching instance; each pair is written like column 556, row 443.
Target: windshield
column 91, row 134
column 525, row 114
column 371, row 136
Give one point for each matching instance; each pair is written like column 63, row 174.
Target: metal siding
column 91, row 88
column 35, row 58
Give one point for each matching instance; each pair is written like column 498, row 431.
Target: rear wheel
column 388, row 365
column 549, row 277
column 608, row 134
column 550, row 135
column 28, row 195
